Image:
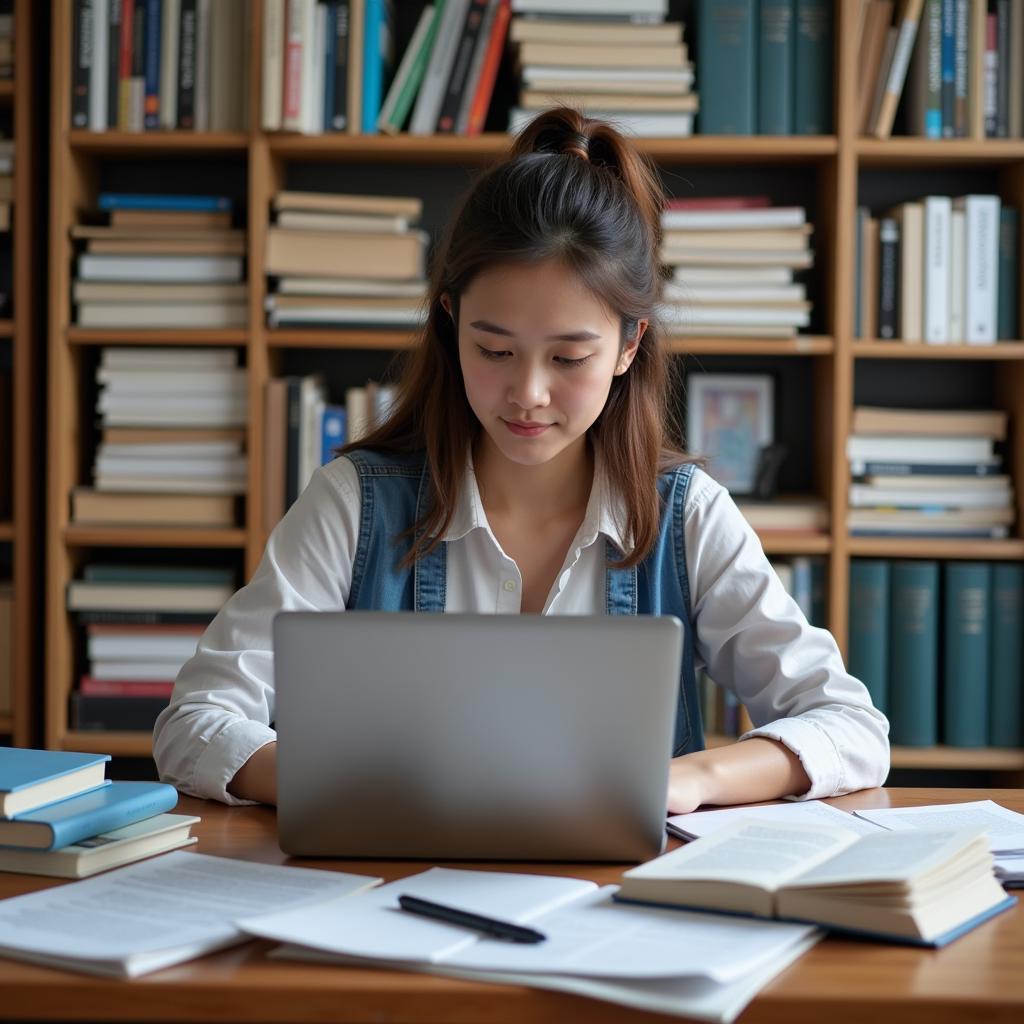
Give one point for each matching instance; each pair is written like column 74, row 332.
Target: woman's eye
column 566, row 361
column 488, row 353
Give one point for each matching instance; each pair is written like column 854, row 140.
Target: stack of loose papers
column 1005, row 829
column 667, row 960
column 157, row 912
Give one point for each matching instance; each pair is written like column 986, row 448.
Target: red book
column 719, row 203
column 489, row 71
column 124, row 688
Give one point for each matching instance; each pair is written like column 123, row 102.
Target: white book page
column 889, row 857
column 597, row 936
column 373, row 925
column 1005, row 828
column 750, row 852
column 804, row 812
column 178, row 900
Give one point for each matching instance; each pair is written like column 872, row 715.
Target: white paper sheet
column 1004, row 827
column 156, row 912
column 805, row 812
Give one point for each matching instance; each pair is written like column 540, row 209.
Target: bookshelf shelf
column 169, row 336
column 781, row 542
column 155, row 537
column 6, row 531
column 958, row 758
column 914, row 547
column 119, row 744
column 155, row 143
column 336, row 339
column 900, row 152
column 804, row 345
column 6, row 328
column 908, row 350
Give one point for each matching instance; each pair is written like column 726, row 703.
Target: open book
column 923, row 887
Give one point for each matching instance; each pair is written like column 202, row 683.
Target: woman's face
column 538, row 352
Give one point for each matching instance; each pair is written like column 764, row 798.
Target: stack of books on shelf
column 765, row 67
column 151, row 618
column 618, row 61
column 939, row 647
column 304, row 429
column 59, row 816
column 346, row 261
column 940, row 270
column 928, row 473
column 330, row 67
column 955, row 69
column 6, row 180
column 161, row 64
column 161, row 261
column 172, row 439
column 732, row 261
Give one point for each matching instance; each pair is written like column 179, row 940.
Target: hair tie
column 577, row 149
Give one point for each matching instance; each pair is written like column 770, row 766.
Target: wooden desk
column 978, row 977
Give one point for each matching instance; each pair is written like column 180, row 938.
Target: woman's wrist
column 257, row 778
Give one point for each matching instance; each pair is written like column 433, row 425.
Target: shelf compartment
column 117, row 143
column 119, row 744
column 935, row 547
column 959, row 758
column 83, row 536
column 918, row 350
column 166, row 336
column 904, row 151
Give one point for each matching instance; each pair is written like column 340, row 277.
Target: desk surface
column 980, row 976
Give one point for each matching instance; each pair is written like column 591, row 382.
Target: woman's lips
column 526, row 429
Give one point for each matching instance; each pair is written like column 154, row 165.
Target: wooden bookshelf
column 833, row 166
column 19, row 332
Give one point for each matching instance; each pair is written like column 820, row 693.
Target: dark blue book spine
column 966, row 647
column 913, row 654
column 339, row 73
column 869, row 627
column 148, row 201
column 813, row 68
column 888, row 277
column 1008, row 291
column 151, row 108
column 1006, row 694
column 775, row 68
column 293, row 420
column 948, row 67
column 113, row 61
column 924, row 469
column 727, row 67
column 81, row 62
column 187, row 66
column 330, row 53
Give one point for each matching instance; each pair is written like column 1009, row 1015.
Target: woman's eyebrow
column 486, row 325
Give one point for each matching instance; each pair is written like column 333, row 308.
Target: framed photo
column 729, row 419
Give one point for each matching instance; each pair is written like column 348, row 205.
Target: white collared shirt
column 750, row 634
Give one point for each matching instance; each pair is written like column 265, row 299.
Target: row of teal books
column 60, row 816
column 941, row 649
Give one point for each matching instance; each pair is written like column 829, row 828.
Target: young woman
column 527, row 468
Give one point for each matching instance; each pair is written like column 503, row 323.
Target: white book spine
column 982, row 253
column 431, row 94
column 273, row 64
column 295, row 44
column 98, row 69
column 203, row 66
column 313, row 70
column 169, row 31
column 937, row 211
column 357, row 410
column 957, row 242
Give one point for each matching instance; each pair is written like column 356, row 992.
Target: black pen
column 489, row 925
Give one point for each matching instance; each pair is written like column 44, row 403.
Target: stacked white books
column 161, row 405
column 619, row 61
column 928, row 473
column 161, row 261
column 346, row 261
column 732, row 263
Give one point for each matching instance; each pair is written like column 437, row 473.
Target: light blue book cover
column 144, row 201
column 100, row 810
column 966, row 625
column 378, row 50
column 20, row 768
column 332, row 432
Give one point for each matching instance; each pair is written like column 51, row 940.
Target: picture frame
column 730, row 419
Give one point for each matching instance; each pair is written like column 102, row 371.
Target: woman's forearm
column 257, row 778
column 745, row 772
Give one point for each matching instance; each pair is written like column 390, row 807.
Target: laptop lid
column 518, row 737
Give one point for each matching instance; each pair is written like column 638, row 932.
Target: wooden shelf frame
column 836, row 161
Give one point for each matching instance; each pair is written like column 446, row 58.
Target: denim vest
column 395, row 494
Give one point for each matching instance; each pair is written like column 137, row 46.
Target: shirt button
column 510, row 585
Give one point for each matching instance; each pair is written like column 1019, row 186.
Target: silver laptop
column 489, row 737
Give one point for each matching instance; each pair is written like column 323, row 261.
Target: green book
column 869, row 627
column 409, row 77
column 1007, row 321
column 727, row 67
column 812, row 68
column 99, row 572
column 775, row 68
column 965, row 676
column 1006, row 659
column 914, row 654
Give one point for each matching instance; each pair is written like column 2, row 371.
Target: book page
column 373, row 925
column 889, row 857
column 803, row 812
column 175, row 900
column 750, row 852
column 1005, row 828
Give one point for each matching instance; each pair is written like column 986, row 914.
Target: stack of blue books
column 60, row 815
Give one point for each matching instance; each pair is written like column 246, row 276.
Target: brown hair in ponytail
column 574, row 190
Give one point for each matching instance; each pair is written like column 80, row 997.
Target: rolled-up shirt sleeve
column 754, row 640
column 222, row 708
